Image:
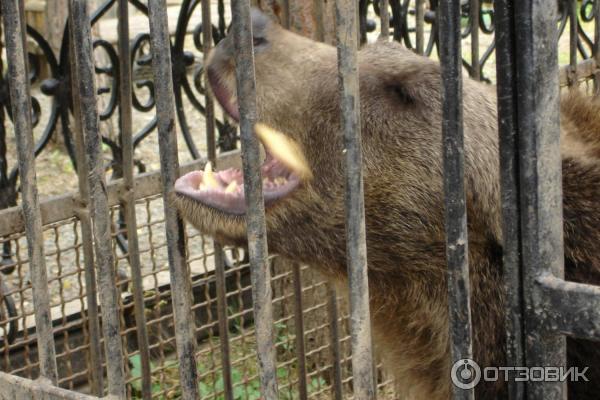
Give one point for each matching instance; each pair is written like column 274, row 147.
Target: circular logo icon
column 465, row 374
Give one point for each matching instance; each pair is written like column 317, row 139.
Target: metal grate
column 144, row 307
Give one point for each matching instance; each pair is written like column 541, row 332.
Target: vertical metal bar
column 285, row 4
column 87, row 117
column 336, row 352
column 14, row 33
column 572, row 75
column 356, row 248
column 509, row 175
column 457, row 245
column 540, row 180
column 128, row 200
column 255, row 216
column 319, row 20
column 299, row 323
column 87, row 237
column 91, row 293
column 169, row 165
column 420, row 22
column 475, row 64
column 384, row 14
column 596, row 49
column 209, row 116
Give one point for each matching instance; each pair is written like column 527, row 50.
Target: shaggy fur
column 297, row 93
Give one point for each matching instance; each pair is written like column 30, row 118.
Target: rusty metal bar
column 319, row 20
column 169, row 165
column 420, row 25
column 356, row 248
column 91, row 293
column 16, row 388
column 596, row 49
column 509, row 182
column 80, row 209
column 457, row 245
column 573, row 35
column 20, row 99
column 255, row 215
column 336, row 352
column 384, row 15
column 209, row 116
column 87, row 116
column 540, row 182
column 128, row 199
column 474, row 9
column 285, row 5
column 299, row 324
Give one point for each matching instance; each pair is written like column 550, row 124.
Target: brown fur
column 297, row 93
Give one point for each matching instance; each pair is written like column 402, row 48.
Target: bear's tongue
column 282, row 171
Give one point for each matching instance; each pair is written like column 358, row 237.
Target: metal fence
column 188, row 319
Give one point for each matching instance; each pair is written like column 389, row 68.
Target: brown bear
column 400, row 96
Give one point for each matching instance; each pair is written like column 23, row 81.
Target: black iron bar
column 509, row 183
column 169, row 165
column 356, row 248
column 255, row 215
column 209, row 116
column 474, row 9
column 87, row 236
column 457, row 244
column 420, row 25
column 596, row 49
column 540, row 177
column 384, row 15
column 87, row 116
column 128, row 198
column 573, row 36
column 20, row 96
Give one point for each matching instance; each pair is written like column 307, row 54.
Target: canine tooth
column 232, row 187
column 209, row 178
column 283, row 149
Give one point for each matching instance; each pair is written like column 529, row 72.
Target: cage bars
column 509, row 183
column 255, row 214
column 169, row 164
column 474, row 9
column 540, row 180
column 596, row 47
column 457, row 246
column 128, row 199
column 348, row 38
column 384, row 14
column 14, row 17
column 87, row 116
column 209, row 107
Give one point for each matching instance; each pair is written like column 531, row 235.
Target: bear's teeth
column 232, row 187
column 208, row 178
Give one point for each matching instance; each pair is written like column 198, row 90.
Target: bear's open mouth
column 282, row 172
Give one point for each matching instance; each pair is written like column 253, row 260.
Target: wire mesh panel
column 193, row 319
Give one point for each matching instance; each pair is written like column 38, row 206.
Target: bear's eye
column 259, row 41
